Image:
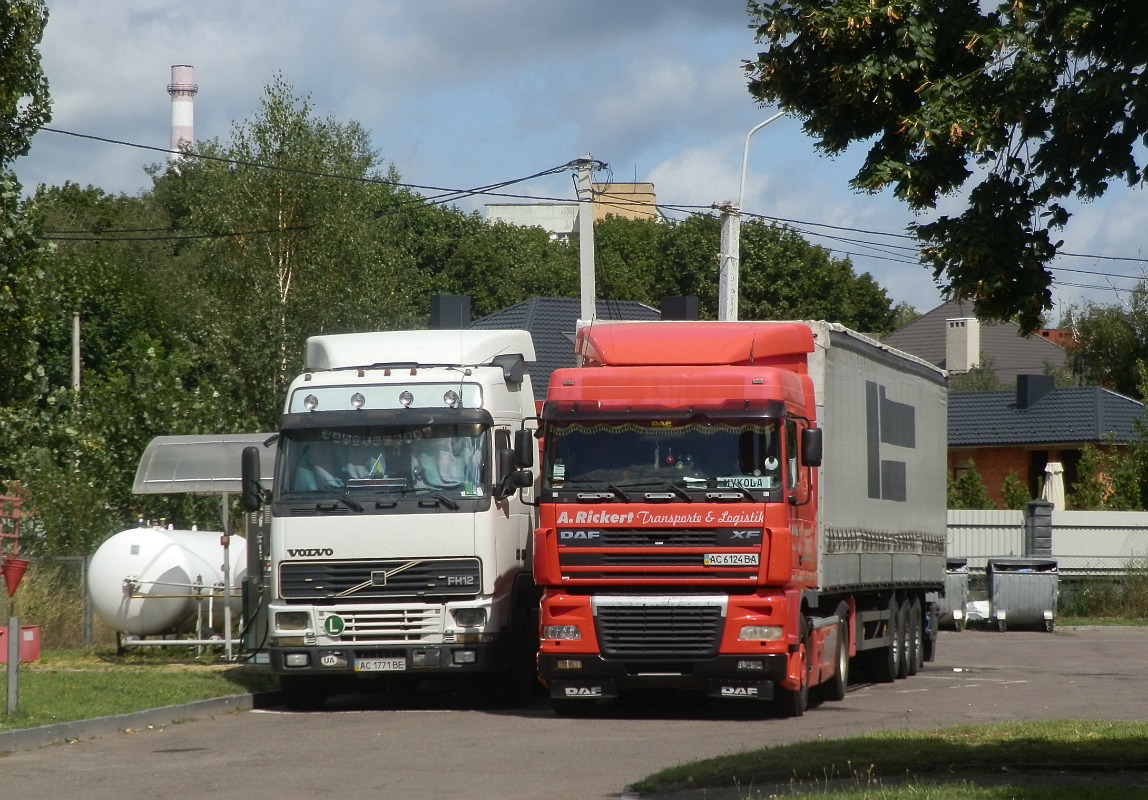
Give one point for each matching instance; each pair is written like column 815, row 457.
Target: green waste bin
column 1022, row 591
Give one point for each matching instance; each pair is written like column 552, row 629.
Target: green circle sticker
column 334, row 625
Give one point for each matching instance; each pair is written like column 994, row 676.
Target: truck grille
column 340, row 581
column 653, row 555
column 394, row 626
column 637, row 632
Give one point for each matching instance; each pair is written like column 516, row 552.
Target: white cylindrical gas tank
column 146, row 581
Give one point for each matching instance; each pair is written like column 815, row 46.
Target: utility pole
column 730, row 247
column 586, row 166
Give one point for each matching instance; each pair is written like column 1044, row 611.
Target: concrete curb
column 31, row 738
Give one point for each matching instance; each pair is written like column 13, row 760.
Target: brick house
column 1022, row 430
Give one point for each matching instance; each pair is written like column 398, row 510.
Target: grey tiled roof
column 1081, row 415
column 552, row 322
column 1011, row 354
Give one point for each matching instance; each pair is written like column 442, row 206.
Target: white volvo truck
column 399, row 544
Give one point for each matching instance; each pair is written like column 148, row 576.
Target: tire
column 835, row 689
column 916, row 639
column 903, row 639
column 790, row 702
column 1049, row 625
column 302, row 693
column 883, row 661
column 1002, row 626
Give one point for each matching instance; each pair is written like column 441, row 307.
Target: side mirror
column 811, row 447
column 251, row 497
column 523, row 448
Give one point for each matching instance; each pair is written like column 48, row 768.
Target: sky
column 466, row 93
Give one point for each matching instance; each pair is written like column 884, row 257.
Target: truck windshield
column 445, row 459
column 700, row 455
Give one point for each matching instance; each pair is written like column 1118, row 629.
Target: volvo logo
column 379, row 578
column 310, row 552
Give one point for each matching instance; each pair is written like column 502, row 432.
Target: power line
column 445, row 195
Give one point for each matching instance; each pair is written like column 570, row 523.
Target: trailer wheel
column 904, row 640
column 1049, row 625
column 884, row 660
column 916, row 639
column 793, row 702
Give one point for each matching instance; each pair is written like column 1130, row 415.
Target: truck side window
column 791, row 454
column 501, row 442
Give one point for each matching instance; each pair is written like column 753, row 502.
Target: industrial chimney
column 182, row 90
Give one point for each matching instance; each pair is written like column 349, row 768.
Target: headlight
column 761, row 633
column 567, row 632
column 292, row 620
column 469, row 617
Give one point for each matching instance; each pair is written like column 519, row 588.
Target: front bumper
column 414, row 660
column 749, row 677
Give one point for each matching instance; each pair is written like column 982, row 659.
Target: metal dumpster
column 1022, row 591
column 951, row 607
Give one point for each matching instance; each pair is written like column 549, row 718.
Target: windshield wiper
column 348, row 502
column 677, row 490
column 439, row 497
column 732, row 493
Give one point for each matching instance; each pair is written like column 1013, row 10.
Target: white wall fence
column 1083, row 542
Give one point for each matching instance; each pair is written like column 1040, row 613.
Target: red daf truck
column 740, row 509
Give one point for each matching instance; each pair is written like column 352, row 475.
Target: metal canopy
column 199, row 464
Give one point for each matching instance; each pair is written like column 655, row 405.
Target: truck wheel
column 303, row 693
column 916, row 639
column 793, row 702
column 836, row 688
column 904, row 639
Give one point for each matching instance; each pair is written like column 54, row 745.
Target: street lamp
column 730, row 255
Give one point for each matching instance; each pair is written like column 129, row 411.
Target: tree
column 301, row 240
column 1110, row 346
column 24, row 107
column 1014, row 494
column 967, row 490
column 1017, row 106
column 1111, row 479
column 981, row 378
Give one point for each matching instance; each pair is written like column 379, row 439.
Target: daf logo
column 739, row 533
column 583, row 691
column 579, row 535
column 739, row 691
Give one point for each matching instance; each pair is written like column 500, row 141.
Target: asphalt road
column 444, row 744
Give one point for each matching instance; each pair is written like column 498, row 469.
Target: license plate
column 380, row 664
column 730, row 559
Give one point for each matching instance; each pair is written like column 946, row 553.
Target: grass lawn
column 1020, row 760
column 69, row 685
